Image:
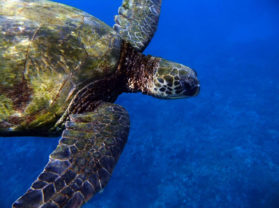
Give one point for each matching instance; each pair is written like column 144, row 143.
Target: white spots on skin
column 24, row 42
column 131, row 84
column 17, row 114
column 21, row 29
column 11, row 129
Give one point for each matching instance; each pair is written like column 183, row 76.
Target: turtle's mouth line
column 187, row 93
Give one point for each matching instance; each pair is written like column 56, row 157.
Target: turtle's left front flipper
column 137, row 21
column 82, row 163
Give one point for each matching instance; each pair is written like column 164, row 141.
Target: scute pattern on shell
column 47, row 52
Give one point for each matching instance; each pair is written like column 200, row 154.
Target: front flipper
column 83, row 161
column 137, row 21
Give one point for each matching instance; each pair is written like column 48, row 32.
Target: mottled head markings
column 172, row 80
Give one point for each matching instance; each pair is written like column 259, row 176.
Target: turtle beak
column 190, row 85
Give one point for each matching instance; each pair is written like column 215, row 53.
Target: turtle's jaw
column 174, row 81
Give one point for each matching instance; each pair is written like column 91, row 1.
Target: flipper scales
column 83, row 161
column 137, row 21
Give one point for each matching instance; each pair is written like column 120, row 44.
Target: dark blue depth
column 220, row 149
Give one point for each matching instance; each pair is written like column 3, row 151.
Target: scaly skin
column 83, row 161
column 48, row 51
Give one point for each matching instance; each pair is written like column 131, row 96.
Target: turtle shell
column 48, row 51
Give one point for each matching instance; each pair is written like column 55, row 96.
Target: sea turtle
column 61, row 71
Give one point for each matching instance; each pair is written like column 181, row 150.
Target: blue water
column 220, row 149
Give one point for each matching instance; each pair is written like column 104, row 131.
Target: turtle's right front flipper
column 82, row 163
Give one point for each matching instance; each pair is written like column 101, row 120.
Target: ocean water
column 219, row 149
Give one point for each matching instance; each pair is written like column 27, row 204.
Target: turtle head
column 156, row 76
column 172, row 80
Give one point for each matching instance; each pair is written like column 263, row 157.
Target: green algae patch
column 6, row 107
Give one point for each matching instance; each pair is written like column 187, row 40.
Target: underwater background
column 219, row 149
